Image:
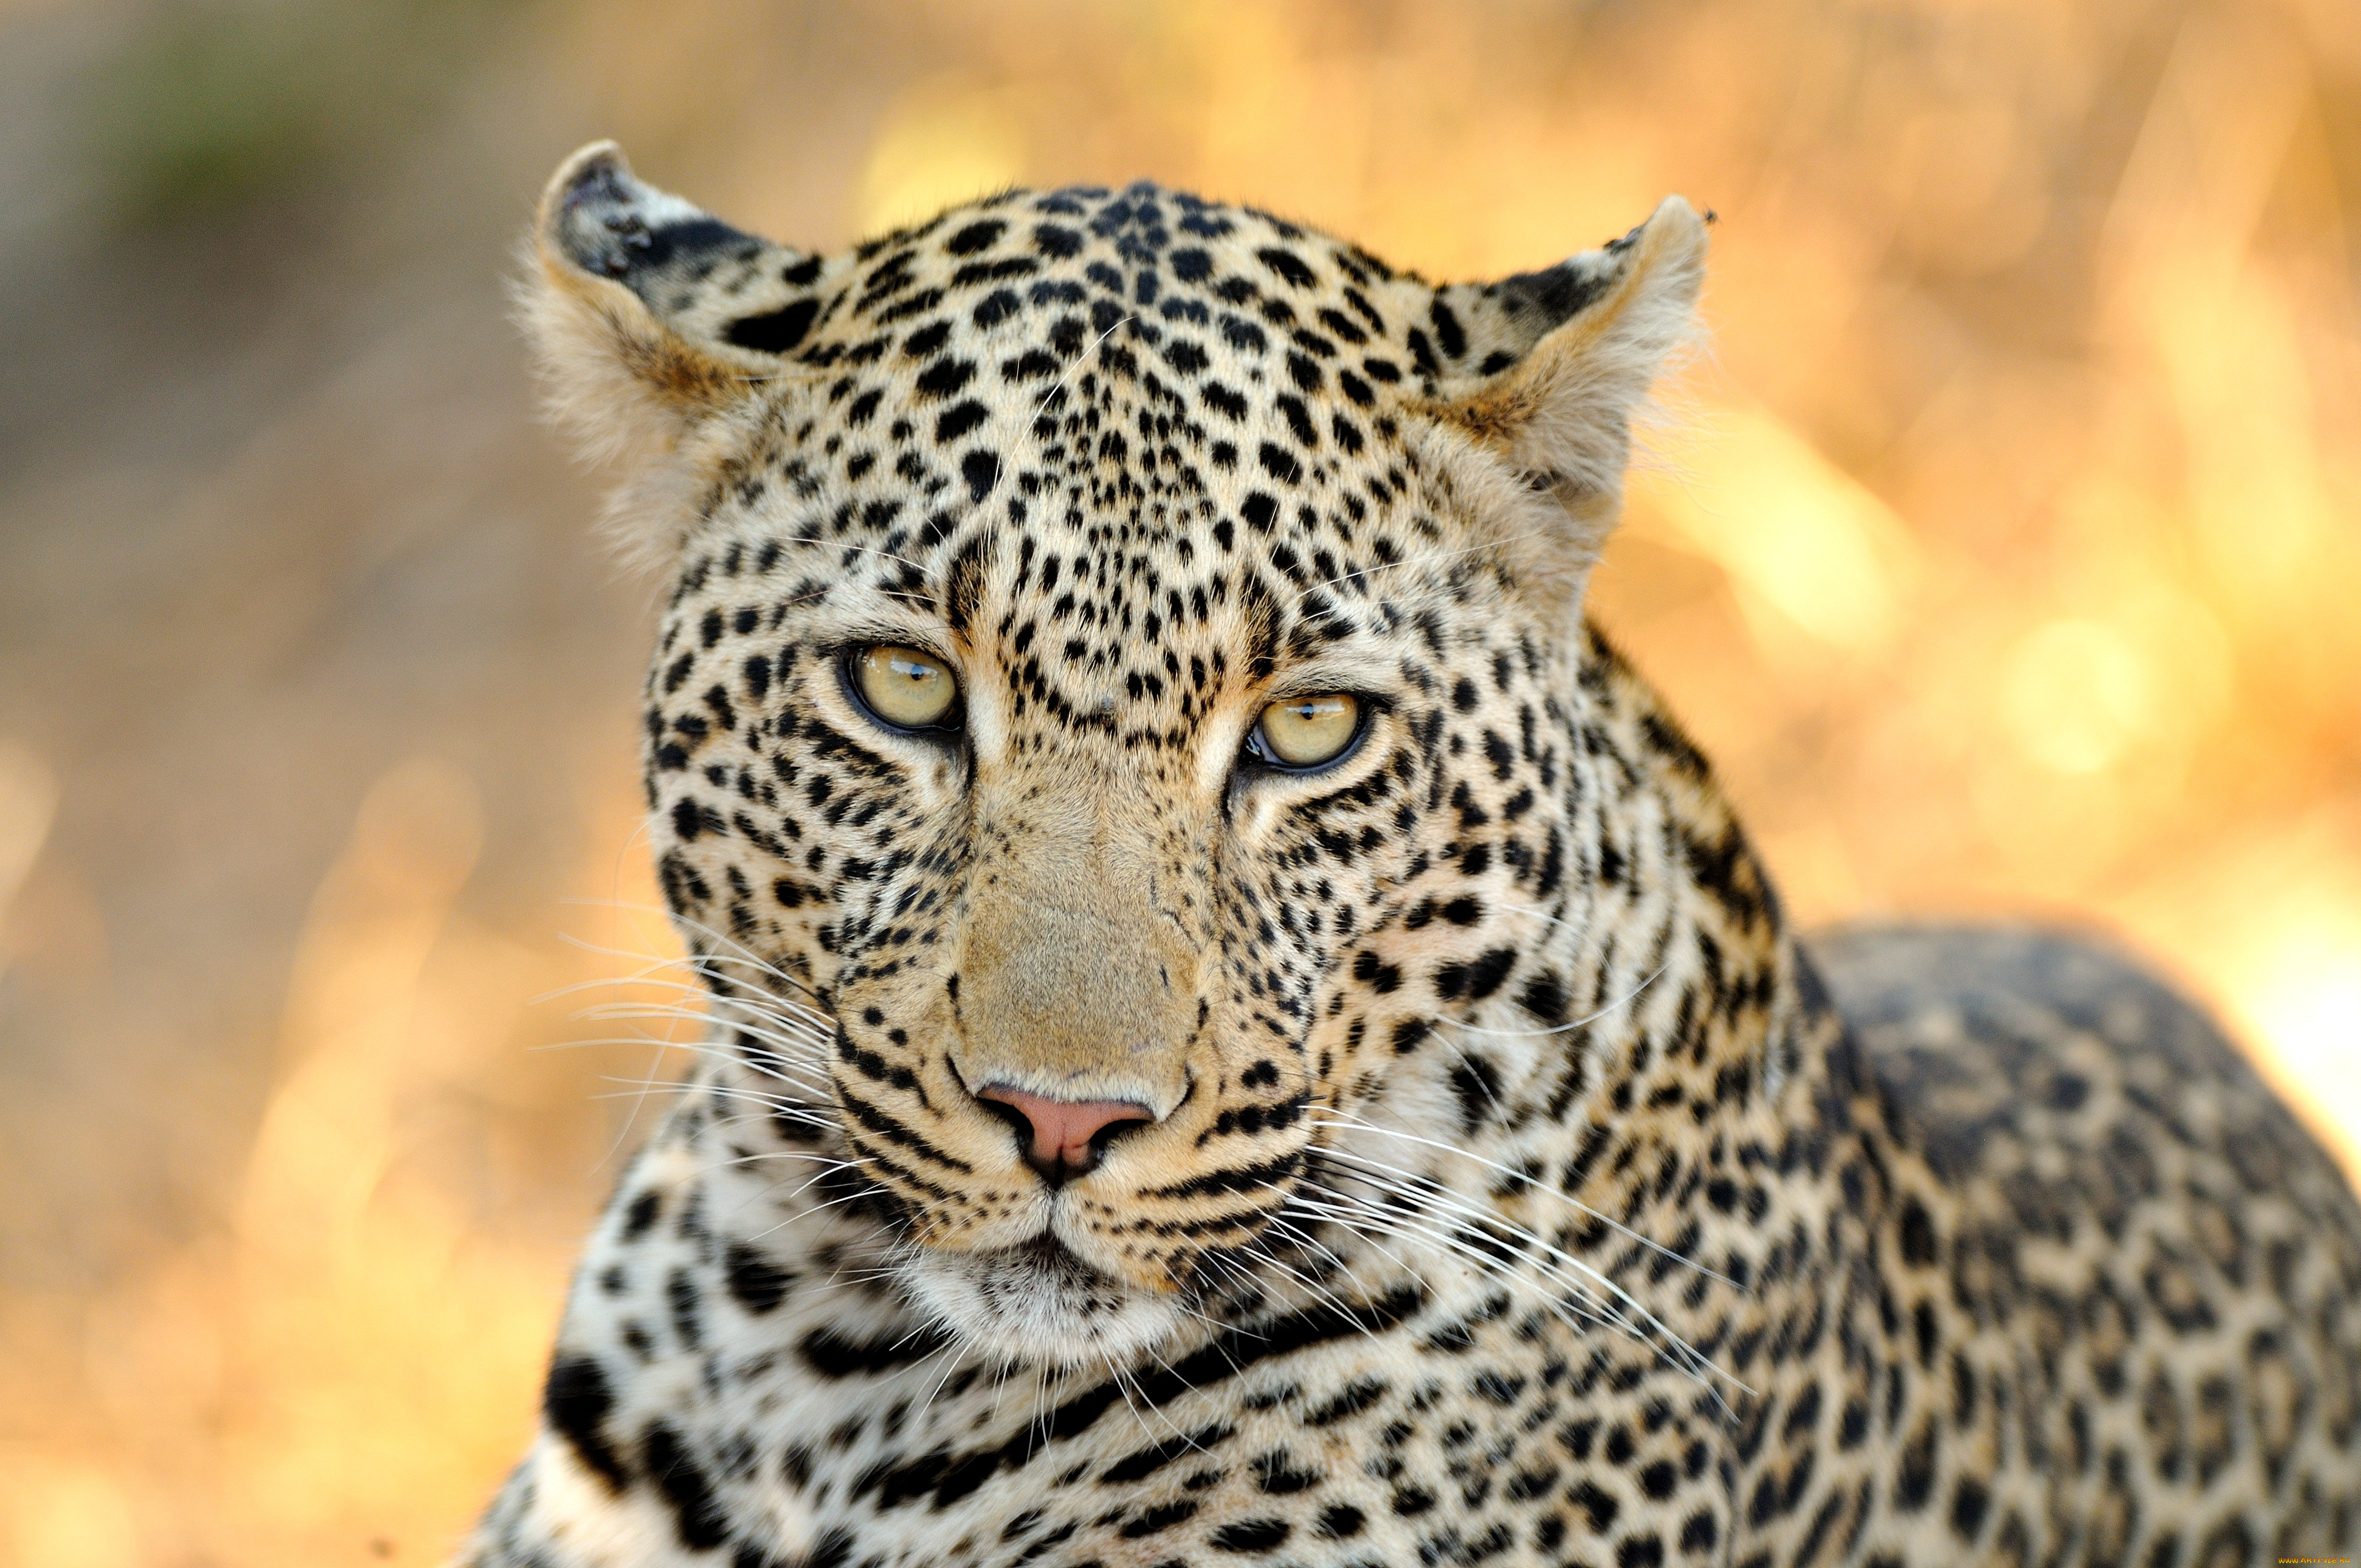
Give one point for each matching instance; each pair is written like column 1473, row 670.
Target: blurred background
column 2004, row 553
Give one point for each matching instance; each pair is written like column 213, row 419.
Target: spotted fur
column 1515, row 1190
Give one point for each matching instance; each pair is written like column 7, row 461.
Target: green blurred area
column 212, row 104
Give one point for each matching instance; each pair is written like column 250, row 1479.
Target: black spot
column 1447, row 330
column 1250, row 1535
column 1351, row 1401
column 959, row 420
column 640, row 1217
column 1260, row 510
column 697, row 1513
column 1287, row 265
column 1918, row 1247
column 1222, row 400
column 981, row 469
column 1968, row 1505
column 1137, row 1466
column 1340, row 1521
column 776, row 332
column 757, row 1282
column 577, row 1402
column 1474, row 979
column 1053, row 240
column 1916, row 1477
column 1278, row 1474
column 1279, row 464
column 688, row 1311
column 1600, row 1506
column 1545, row 997
column 974, row 238
column 1156, row 1519
column 833, row 1356
column 1477, row 1086
column 1298, row 422
column 944, row 377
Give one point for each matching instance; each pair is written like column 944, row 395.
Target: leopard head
column 1119, row 672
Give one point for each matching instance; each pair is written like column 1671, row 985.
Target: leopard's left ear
column 1562, row 358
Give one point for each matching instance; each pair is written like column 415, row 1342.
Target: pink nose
column 1064, row 1138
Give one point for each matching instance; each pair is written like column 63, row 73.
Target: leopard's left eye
column 1306, row 732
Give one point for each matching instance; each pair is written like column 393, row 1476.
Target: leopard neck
column 1655, row 1079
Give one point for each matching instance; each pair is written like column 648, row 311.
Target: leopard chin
column 1038, row 1305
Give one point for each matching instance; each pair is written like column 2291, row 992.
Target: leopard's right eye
column 904, row 688
column 1302, row 733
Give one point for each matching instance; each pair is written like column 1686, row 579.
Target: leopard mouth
column 1037, row 1303
column 1047, row 1252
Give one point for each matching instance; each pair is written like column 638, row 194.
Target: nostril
column 1003, row 1111
column 1122, row 1126
column 1062, row 1138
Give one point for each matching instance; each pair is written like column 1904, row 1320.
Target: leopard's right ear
column 650, row 316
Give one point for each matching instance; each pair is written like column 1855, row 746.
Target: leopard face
column 1114, row 694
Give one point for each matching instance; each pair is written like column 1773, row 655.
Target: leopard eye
column 904, row 688
column 1306, row 732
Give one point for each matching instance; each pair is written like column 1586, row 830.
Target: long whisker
column 789, row 1033
column 1354, row 1123
column 624, row 1010
column 1342, row 1208
column 1573, row 1274
column 1355, row 1213
column 775, row 1067
column 743, row 955
column 785, row 1011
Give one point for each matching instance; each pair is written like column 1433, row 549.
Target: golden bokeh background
column 2002, row 547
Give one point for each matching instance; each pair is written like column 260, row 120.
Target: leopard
column 1232, row 1024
